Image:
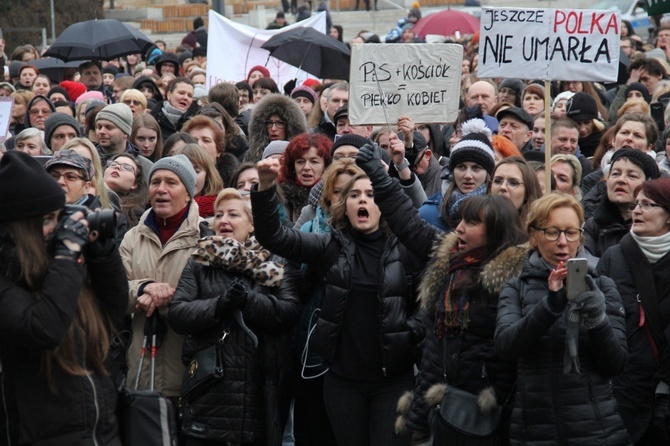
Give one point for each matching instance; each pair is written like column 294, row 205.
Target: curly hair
column 297, row 148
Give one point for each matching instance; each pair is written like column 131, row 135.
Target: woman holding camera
column 60, row 296
column 566, row 351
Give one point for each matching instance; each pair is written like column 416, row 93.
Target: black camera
column 103, row 221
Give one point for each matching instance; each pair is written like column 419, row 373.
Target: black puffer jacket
column 334, row 254
column 251, row 403
column 469, row 358
column 636, row 386
column 68, row 409
column 605, row 229
column 550, row 407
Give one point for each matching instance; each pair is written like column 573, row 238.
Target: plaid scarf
column 453, row 310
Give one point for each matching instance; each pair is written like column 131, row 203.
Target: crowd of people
column 352, row 277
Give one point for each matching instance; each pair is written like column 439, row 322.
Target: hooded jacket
column 273, row 104
column 552, row 407
column 9, row 144
column 158, row 96
column 167, row 128
column 605, row 229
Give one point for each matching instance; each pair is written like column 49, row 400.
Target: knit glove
column 593, row 305
column 234, row 298
column 69, row 238
column 369, row 159
column 661, row 419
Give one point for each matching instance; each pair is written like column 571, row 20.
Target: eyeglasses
column 278, row 124
column 134, row 102
column 512, row 183
column 645, row 206
column 35, row 112
column 553, row 234
column 124, row 167
column 70, row 177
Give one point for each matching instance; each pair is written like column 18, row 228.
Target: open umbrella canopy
column 312, row 51
column 446, row 23
column 52, row 67
column 98, row 40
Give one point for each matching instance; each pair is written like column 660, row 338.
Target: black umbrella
column 312, row 51
column 98, row 40
column 53, row 68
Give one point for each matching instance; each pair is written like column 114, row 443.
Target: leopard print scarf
column 248, row 258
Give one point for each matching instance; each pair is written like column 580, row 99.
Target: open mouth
column 362, row 214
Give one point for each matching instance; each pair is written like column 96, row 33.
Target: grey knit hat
column 118, row 114
column 275, row 148
column 181, row 166
column 56, row 120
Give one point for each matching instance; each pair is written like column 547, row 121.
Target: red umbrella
column 446, row 23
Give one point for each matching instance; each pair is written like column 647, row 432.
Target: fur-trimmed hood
column 287, row 109
column 498, row 270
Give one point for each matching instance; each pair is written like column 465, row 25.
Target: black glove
column 369, row 159
column 661, row 418
column 235, row 298
column 102, row 247
column 289, row 86
column 69, row 238
column 593, row 305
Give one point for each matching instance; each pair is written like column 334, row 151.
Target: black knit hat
column 637, row 86
column 640, row 159
column 56, row 120
column 59, row 89
column 349, row 139
column 26, row 190
column 515, row 84
column 475, row 146
column 582, row 107
column 110, row 69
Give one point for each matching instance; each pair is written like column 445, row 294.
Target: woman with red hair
column 305, row 159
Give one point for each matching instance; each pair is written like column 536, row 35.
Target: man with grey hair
column 336, row 97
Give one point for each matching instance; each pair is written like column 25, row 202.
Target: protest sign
column 233, row 48
column 549, row 44
column 6, row 106
column 656, row 7
column 421, row 81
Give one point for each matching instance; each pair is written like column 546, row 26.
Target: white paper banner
column 233, row 48
column 549, row 44
column 388, row 81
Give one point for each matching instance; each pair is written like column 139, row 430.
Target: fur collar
column 494, row 274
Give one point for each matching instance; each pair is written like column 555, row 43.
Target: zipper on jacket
column 97, row 409
column 387, row 247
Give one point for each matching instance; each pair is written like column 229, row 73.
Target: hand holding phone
column 576, row 281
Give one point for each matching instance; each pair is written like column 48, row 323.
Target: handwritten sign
column 549, row 44
column 421, row 81
column 6, row 106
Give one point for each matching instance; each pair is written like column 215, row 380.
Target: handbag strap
column 645, row 284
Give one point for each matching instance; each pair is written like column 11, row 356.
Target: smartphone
column 657, row 112
column 577, row 269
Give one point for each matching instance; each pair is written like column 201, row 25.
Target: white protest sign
column 233, row 48
column 388, row 81
column 549, row 44
column 6, row 106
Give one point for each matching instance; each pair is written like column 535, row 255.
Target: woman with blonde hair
column 136, row 100
column 208, row 182
column 21, row 100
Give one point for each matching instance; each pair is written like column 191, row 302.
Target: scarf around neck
column 453, row 207
column 453, row 310
column 653, row 248
column 172, row 113
column 248, row 258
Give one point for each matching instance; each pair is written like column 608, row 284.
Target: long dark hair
column 25, row 261
column 500, row 217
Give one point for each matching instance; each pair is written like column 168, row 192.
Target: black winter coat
column 66, row 410
column 605, row 229
column 550, row 407
column 634, row 389
column 468, row 358
column 334, row 254
column 251, row 403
